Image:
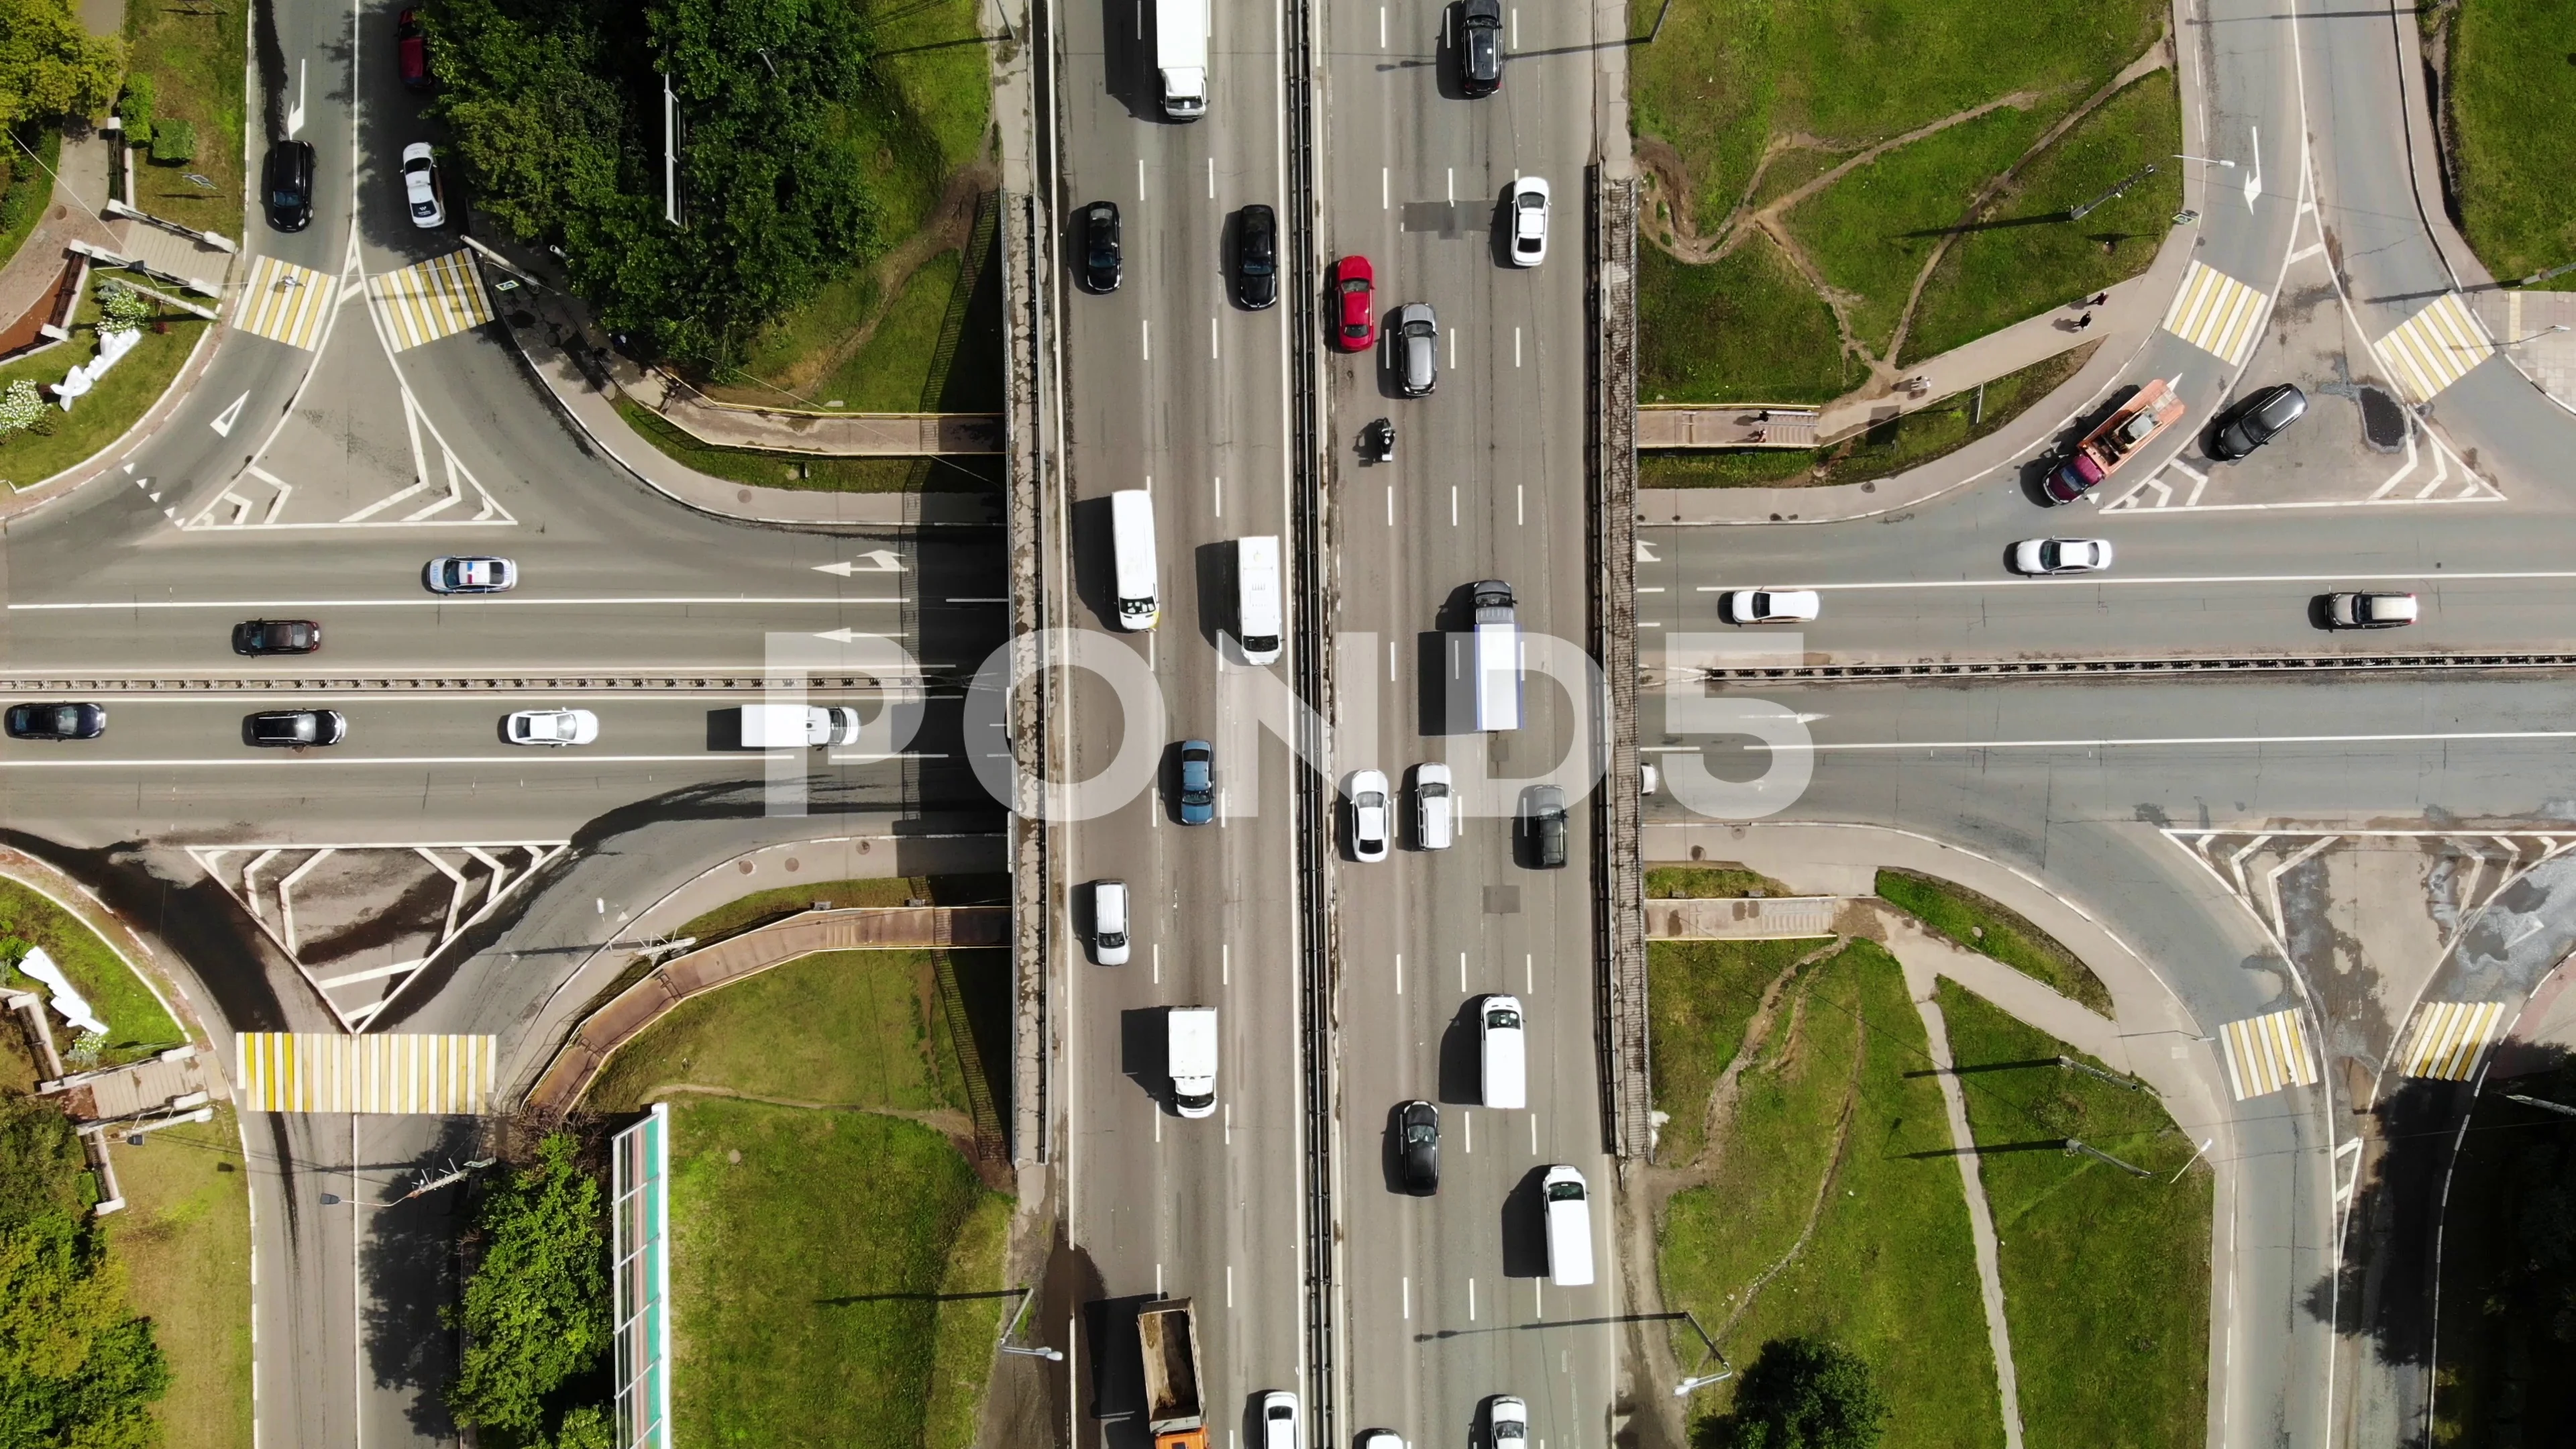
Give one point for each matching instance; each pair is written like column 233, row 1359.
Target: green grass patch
column 846, row 1028
column 1792, row 168
column 137, row 1026
column 935, row 79
column 2106, row 1276
column 2007, row 271
column 26, row 186
column 185, row 1240
column 1696, row 325
column 1727, row 75
column 809, row 1252
column 194, row 56
column 1701, row 994
column 1700, row 882
column 1887, row 1267
column 101, row 416
column 891, row 374
column 969, row 474
column 779, row 902
column 2512, row 88
column 1990, row 928
column 1729, row 468
column 1871, row 232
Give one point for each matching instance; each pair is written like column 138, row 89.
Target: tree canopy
column 51, row 66
column 1804, row 1393
column 536, row 1310
column 77, row 1371
column 556, row 111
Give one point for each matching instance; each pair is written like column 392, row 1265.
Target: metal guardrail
column 130, row 685
column 1862, row 673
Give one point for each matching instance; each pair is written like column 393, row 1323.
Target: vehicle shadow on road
column 1142, row 1051
column 1524, row 1227
column 1462, row 1057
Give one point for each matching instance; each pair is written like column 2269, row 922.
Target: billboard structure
column 640, row 1214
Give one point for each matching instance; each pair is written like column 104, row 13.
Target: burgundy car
column 1355, row 294
column 411, row 49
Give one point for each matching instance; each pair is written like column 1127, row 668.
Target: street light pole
column 1051, row 1355
column 2526, row 337
column 1686, row 1387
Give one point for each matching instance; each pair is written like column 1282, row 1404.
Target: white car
column 421, row 187
column 1529, row 221
column 1434, row 807
column 1770, row 606
column 1379, row 1439
column 1370, row 817
column 1279, row 1420
column 1507, row 1422
column 448, row 574
column 2061, row 555
column 552, row 727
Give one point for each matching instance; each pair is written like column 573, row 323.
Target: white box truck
column 1498, row 656
column 1189, row 1055
column 1569, row 1227
column 1180, row 52
column 1503, row 1049
column 1131, row 519
column 793, row 726
column 1256, row 598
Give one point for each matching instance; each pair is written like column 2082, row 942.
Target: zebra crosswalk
column 285, row 303
column 2450, row 1037
column 308, row 1071
column 2267, row 1053
column 430, row 300
column 2435, row 348
column 2216, row 313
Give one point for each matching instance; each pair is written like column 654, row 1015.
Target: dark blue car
column 1198, row 782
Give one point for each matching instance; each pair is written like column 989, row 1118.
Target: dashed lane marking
column 430, row 300
column 2216, row 313
column 2266, row 1054
column 285, row 303
column 2435, row 348
column 395, row 1072
column 2449, row 1038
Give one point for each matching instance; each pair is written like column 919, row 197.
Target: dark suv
column 1100, row 262
column 1480, row 47
column 295, row 728
column 2256, row 421
column 1543, row 824
column 287, row 182
column 1256, row 258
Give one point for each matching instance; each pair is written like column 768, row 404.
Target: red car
column 1355, row 289
column 411, row 49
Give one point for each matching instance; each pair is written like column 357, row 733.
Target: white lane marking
column 2254, row 175
column 1212, row 353
column 1453, row 505
column 1533, row 1134
column 1399, row 973
column 295, row 113
column 478, row 601
column 2105, row 580
column 310, row 760
column 1516, row 347
column 1390, row 661
column 1520, row 503
column 1220, row 498
column 1212, row 197
column 1453, row 349
column 223, row 423
column 1467, row 1126
column 1462, row 990
column 2312, row 249
column 874, row 561
column 1140, row 161
column 1453, row 185
column 1381, row 27
column 2428, row 737
column 1529, row 987
column 1229, row 1268
column 1408, row 1295
column 1471, row 1300
column 1516, row 37
column 1383, row 185
column 1225, row 977
column 1390, row 505
column 1148, row 324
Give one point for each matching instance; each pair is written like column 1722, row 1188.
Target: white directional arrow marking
column 846, row 636
column 295, row 115
column 223, row 425
column 1646, row 552
column 2254, row 175
column 876, row 561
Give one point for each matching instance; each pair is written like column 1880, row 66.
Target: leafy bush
column 536, row 1310
column 1803, row 1393
column 50, row 65
column 75, row 1367
column 136, row 107
column 174, row 142
column 121, row 308
column 555, row 110
column 20, row 407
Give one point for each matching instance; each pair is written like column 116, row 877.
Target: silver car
column 1415, row 338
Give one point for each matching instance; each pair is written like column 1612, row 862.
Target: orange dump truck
column 1175, row 1410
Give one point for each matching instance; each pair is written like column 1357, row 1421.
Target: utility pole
column 2107, row 197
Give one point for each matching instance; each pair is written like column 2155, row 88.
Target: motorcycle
column 1377, row 441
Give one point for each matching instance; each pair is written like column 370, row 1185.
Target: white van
column 1569, row 1227
column 1190, row 1057
column 1131, row 516
column 1109, row 922
column 1435, row 808
column 1498, row 656
column 1256, row 598
column 1499, row 1037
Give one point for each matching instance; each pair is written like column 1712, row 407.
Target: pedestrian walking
column 2100, row 299
column 2084, row 322
column 1759, row 435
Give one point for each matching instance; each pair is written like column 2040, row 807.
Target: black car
column 1256, row 258
column 1417, row 1147
column 288, row 184
column 276, row 636
column 1100, row 261
column 294, row 728
column 1543, row 822
column 1480, row 47
column 2256, row 421
column 57, row 721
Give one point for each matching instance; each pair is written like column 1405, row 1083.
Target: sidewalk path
column 586, row 384
column 786, row 430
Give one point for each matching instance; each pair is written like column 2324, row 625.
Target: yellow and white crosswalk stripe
column 2216, row 313
column 309, row 1071
column 2449, row 1038
column 2434, row 348
column 430, row 300
column 2267, row 1053
column 285, row 303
